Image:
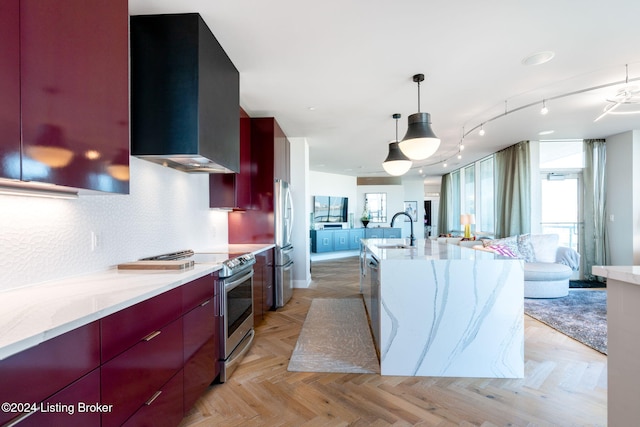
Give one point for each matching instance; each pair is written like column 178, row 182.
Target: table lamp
column 467, row 220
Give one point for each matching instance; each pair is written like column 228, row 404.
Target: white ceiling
column 334, row 71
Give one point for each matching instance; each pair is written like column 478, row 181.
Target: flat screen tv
column 330, row 209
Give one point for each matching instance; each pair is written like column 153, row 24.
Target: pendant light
column 396, row 163
column 419, row 142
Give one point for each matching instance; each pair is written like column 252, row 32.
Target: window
column 566, row 154
column 377, row 205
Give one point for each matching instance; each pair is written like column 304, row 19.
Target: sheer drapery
column 446, row 203
column 595, row 245
column 513, row 190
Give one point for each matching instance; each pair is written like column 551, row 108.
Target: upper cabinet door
column 75, row 93
column 10, row 89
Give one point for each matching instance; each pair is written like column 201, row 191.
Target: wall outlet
column 95, row 241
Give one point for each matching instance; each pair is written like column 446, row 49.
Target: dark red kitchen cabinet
column 269, row 161
column 196, row 292
column 199, row 372
column 10, row 89
column 199, row 326
column 233, row 191
column 74, row 78
column 37, row 373
column 262, row 285
column 163, row 409
column 125, row 328
column 135, row 376
column 74, row 406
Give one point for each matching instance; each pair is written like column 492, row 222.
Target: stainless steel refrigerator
column 283, row 217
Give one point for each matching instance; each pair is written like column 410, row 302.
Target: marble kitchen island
column 443, row 310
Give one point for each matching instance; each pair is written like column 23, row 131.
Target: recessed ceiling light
column 538, row 58
column 311, row 108
column 546, row 132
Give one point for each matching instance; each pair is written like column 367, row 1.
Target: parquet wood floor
column 565, row 381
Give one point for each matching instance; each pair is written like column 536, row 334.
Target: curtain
column 446, row 202
column 513, row 190
column 594, row 245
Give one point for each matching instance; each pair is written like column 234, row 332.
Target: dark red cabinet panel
column 75, row 93
column 196, row 292
column 269, row 160
column 199, row 326
column 75, row 406
column 262, row 285
column 132, row 378
column 233, row 191
column 199, row 372
column 166, row 410
column 10, row 89
column 127, row 327
column 37, row 373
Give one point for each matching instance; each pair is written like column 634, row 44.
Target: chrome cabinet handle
column 154, row 397
column 151, row 336
column 205, row 303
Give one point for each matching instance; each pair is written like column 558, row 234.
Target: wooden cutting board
column 156, row 265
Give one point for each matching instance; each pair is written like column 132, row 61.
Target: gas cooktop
column 231, row 262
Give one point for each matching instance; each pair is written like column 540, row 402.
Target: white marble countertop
column 32, row 314
column 623, row 273
column 423, row 249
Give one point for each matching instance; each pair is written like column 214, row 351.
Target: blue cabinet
column 321, row 241
column 341, row 240
column 392, row 233
column 348, row 239
column 355, row 234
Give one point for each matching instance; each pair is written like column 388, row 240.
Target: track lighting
column 396, row 163
column 419, row 142
column 481, row 132
column 544, row 109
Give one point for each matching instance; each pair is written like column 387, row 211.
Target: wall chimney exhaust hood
column 185, row 95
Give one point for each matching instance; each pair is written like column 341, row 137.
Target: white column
column 299, row 166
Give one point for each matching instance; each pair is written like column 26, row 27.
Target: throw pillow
column 510, row 242
column 545, row 246
column 502, row 250
column 526, row 248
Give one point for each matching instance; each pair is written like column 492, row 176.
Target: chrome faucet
column 411, row 237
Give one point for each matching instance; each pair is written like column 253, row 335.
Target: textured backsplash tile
column 167, row 210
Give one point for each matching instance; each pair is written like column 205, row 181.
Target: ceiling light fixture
column 396, row 163
column 481, row 132
column 538, row 58
column 419, row 142
column 544, row 109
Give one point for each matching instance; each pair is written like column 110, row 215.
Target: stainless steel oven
column 236, row 312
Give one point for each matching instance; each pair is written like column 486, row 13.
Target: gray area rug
column 335, row 337
column 582, row 315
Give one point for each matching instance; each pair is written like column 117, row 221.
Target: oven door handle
column 234, row 283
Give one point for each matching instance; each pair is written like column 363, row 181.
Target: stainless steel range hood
column 185, row 95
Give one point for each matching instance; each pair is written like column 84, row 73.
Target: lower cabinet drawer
column 164, row 407
column 75, row 405
column 132, row 378
column 199, row 372
column 39, row 372
column 200, row 324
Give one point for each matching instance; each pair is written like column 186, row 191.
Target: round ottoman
column 546, row 280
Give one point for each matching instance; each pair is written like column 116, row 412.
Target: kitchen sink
column 394, row 246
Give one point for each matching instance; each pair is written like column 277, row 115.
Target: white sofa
column 548, row 266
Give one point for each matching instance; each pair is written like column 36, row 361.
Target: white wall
column 623, row 198
column 299, row 161
column 166, row 210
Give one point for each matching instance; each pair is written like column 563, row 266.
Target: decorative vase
column 365, row 222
